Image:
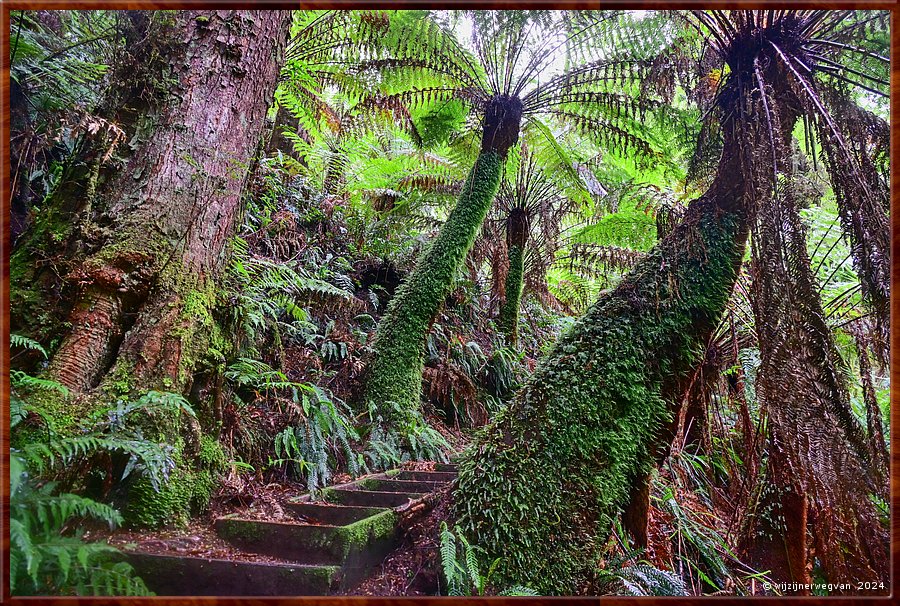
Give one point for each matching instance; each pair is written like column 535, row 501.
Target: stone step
column 185, row 575
column 454, row 467
column 330, row 546
column 402, row 486
column 330, row 513
column 442, row 477
column 368, row 498
column 352, row 545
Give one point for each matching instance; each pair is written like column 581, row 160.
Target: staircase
column 328, row 546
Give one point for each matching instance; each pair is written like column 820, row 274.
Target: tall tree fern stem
column 394, row 382
column 516, row 238
column 541, row 486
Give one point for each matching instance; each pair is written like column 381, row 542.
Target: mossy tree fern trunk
column 394, row 382
column 516, row 239
column 542, row 484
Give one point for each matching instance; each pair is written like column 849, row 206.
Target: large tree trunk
column 394, row 382
column 151, row 233
column 541, row 486
column 143, row 314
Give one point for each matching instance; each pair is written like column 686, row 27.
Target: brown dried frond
column 801, row 380
column 449, row 387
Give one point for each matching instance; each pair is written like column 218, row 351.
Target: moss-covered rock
column 170, row 506
column 541, row 486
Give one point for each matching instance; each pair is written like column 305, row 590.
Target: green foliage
column 271, row 296
column 305, row 446
column 703, row 556
column 640, row 578
column 319, row 433
column 459, row 563
column 48, row 555
column 407, row 437
column 542, row 484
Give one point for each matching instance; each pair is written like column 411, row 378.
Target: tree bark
column 516, row 238
column 541, row 486
column 164, row 218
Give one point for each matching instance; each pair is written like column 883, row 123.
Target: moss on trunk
column 394, row 383
column 508, row 320
column 395, row 373
column 541, row 485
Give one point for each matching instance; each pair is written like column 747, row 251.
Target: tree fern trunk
column 516, row 238
column 394, row 382
column 508, row 320
column 821, row 447
column 541, row 486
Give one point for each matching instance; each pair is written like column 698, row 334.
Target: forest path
column 321, row 546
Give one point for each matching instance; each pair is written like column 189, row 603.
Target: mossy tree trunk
column 516, row 238
column 149, row 235
column 394, row 381
column 161, row 222
column 542, row 485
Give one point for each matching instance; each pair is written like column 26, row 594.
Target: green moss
column 542, row 484
column 188, row 492
column 508, row 321
column 211, row 456
column 61, row 413
column 394, row 381
column 119, row 382
column 30, row 287
column 171, row 506
column 357, row 535
column 191, row 484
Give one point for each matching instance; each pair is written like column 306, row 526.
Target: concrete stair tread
column 308, row 543
column 441, row 477
column 190, row 575
column 404, row 486
column 369, row 498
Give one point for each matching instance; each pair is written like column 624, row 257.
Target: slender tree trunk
column 516, row 238
column 394, row 382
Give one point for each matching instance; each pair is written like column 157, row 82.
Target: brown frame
column 5, row 246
